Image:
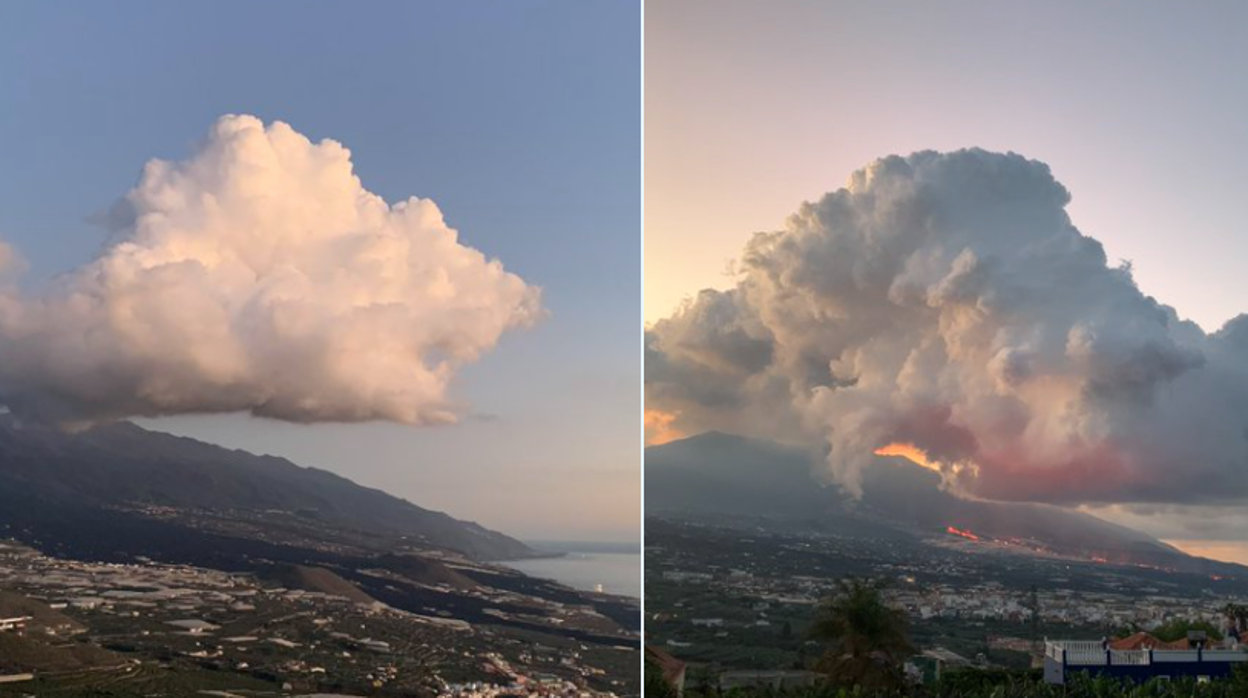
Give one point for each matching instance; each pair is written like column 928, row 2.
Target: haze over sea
column 585, row 565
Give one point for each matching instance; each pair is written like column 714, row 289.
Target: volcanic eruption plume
column 259, row 275
column 944, row 304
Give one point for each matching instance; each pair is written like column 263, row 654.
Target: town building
column 15, row 624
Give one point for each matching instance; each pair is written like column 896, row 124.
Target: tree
column 867, row 639
column 655, row 684
column 1178, row 628
column 1237, row 618
column 705, row 681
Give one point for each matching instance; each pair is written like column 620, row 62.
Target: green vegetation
column 867, row 640
column 20, row 654
column 867, row 643
column 1176, row 629
column 138, row 682
column 976, row 683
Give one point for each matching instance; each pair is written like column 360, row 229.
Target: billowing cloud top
column 945, row 301
column 259, row 275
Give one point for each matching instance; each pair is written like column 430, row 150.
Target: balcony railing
column 1128, row 657
column 1093, row 653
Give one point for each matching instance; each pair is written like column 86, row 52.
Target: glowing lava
column 959, row 532
column 910, row 452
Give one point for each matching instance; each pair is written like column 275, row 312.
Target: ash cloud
column 945, row 300
column 260, row 276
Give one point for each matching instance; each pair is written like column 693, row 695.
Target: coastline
column 609, row 573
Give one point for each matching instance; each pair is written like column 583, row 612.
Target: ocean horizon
column 609, row 567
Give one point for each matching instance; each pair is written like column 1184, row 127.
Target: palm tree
column 1237, row 617
column 867, row 639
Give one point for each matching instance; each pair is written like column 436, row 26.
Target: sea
column 614, row 568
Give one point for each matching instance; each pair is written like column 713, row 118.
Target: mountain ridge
column 720, row 474
column 123, row 465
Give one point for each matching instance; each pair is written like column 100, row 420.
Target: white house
column 17, row 623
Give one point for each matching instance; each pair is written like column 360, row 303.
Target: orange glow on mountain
column 660, row 427
column 910, row 452
column 959, row 532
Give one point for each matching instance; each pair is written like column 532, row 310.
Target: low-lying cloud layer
column 259, row 275
column 946, row 301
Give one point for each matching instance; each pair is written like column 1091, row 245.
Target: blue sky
column 522, row 121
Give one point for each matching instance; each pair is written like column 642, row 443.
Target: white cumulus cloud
column 259, row 275
column 945, row 300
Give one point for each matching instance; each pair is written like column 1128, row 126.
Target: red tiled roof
column 1145, row 641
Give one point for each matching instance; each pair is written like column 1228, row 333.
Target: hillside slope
column 125, row 466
